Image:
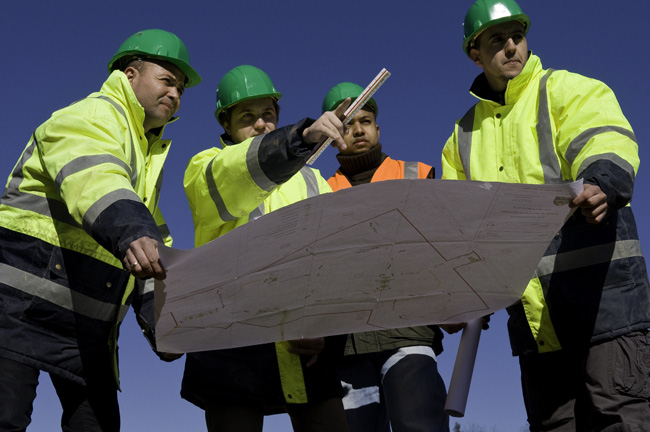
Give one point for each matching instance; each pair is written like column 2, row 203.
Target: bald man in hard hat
column 581, row 328
column 78, row 221
column 259, row 169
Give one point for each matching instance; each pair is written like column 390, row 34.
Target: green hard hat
column 341, row 92
column 486, row 13
column 159, row 44
column 243, row 83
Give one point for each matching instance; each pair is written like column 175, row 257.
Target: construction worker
column 390, row 377
column 581, row 328
column 260, row 169
column 78, row 219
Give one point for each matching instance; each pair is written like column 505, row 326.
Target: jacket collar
column 226, row 140
column 359, row 163
column 515, row 88
column 118, row 87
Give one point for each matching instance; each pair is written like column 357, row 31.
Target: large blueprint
column 382, row 255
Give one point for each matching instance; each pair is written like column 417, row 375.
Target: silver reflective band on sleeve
column 254, row 168
column 410, row 170
column 50, row 207
column 547, row 157
column 87, row 162
column 224, row 214
column 579, row 142
column 586, row 257
column 57, row 294
column 311, row 181
column 465, row 126
column 134, row 168
column 612, row 157
column 104, row 202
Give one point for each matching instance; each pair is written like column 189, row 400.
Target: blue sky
column 56, row 53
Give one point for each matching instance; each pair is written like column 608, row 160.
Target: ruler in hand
column 354, row 107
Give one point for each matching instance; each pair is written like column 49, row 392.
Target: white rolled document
column 463, row 369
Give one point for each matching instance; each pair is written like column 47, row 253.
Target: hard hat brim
column 522, row 18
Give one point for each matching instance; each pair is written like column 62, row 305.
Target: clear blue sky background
column 56, row 52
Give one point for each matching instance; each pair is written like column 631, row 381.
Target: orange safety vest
column 389, row 169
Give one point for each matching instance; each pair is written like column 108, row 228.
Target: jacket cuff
column 121, row 223
column 297, row 147
column 615, row 182
column 282, row 153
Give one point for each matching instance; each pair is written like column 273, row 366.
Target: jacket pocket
column 631, row 372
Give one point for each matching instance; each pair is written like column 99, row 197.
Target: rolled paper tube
column 463, row 369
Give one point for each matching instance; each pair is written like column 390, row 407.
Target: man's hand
column 592, row 202
column 142, row 259
column 308, row 346
column 328, row 125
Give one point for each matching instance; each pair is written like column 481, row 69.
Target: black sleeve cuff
column 615, row 182
column 121, row 223
column 282, row 153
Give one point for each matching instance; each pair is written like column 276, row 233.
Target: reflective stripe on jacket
column 227, row 188
column 556, row 126
column 85, row 186
column 383, row 340
column 389, row 169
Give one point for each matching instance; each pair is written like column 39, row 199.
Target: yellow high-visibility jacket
column 86, row 186
column 227, row 188
column 553, row 127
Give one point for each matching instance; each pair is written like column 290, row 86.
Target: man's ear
column 475, row 56
column 377, row 130
column 226, row 127
column 130, row 73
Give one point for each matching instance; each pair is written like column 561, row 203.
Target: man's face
column 158, row 87
column 502, row 53
column 251, row 118
column 361, row 133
